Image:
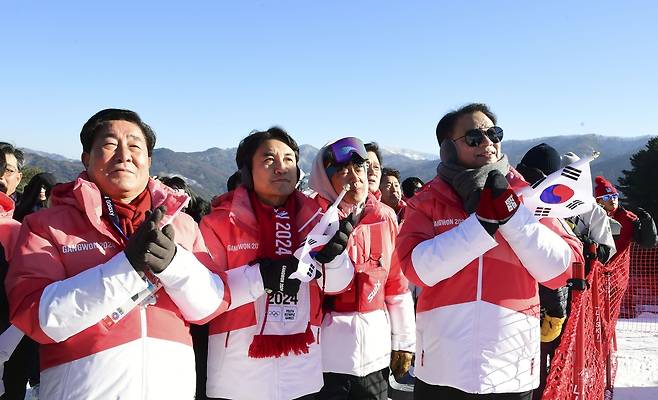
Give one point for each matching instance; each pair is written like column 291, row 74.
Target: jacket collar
column 6, row 206
column 241, row 213
column 86, row 197
column 443, row 191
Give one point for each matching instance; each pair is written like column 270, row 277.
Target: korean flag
column 565, row 193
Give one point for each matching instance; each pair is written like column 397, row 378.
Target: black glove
column 603, row 253
column 276, row 275
column 644, row 229
column 338, row 242
column 161, row 249
column 498, row 202
column 138, row 243
column 150, row 247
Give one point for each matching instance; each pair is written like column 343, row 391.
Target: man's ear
column 150, row 160
column 85, row 159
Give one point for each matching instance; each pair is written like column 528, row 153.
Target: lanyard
column 145, row 297
column 114, row 218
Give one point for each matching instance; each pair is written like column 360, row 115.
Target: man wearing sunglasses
column 370, row 325
column 478, row 254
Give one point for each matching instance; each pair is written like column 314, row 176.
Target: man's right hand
column 338, row 242
column 276, row 275
column 138, row 244
column 498, row 202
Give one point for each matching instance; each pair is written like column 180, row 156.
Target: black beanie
column 542, row 157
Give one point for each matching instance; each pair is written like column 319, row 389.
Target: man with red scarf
column 268, row 348
column 107, row 279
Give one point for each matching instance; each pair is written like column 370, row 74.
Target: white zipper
column 480, row 267
column 142, row 316
column 476, row 320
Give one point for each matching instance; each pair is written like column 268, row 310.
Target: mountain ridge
column 207, row 171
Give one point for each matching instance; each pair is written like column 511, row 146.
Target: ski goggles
column 346, row 150
column 475, row 137
column 608, row 197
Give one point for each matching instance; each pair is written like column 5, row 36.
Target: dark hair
column 101, row 120
column 447, row 124
column 248, row 145
column 8, row 148
column 29, row 201
column 374, row 147
column 391, row 172
column 233, row 181
column 198, row 206
column 174, row 182
column 409, row 186
column 3, row 167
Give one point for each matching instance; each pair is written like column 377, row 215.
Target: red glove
column 498, row 202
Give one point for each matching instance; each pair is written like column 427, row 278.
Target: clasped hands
column 151, row 248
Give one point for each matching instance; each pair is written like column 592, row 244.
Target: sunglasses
column 475, row 137
column 608, row 197
column 344, row 150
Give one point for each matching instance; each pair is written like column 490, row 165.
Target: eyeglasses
column 9, row 171
column 608, row 197
column 475, row 137
column 344, row 150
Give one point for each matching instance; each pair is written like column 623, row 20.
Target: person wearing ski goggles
column 371, row 326
column 346, row 163
column 478, row 253
column 636, row 226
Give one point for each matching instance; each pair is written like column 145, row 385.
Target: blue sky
column 204, row 74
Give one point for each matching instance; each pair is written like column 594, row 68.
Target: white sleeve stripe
column 444, row 255
column 72, row 305
column 192, row 287
column 338, row 274
column 542, row 252
column 245, row 284
column 403, row 323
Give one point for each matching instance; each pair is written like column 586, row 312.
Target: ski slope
column 637, row 358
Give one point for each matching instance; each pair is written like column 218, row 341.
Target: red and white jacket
column 231, row 234
column 478, row 313
column 376, row 313
column 8, row 226
column 69, row 272
column 10, row 336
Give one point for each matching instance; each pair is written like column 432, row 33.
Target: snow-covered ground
column 637, row 358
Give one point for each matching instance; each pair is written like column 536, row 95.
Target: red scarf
column 278, row 239
column 131, row 215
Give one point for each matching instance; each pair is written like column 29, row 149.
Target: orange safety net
column 583, row 365
column 640, row 303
